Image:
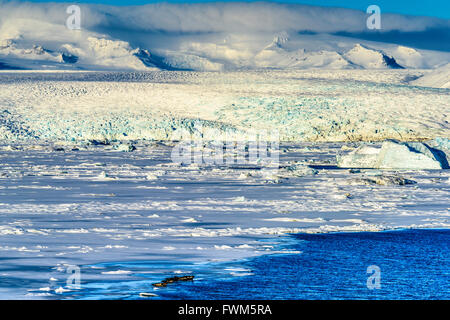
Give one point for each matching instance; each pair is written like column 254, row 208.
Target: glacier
column 302, row 105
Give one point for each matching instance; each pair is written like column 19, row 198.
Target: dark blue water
column 413, row 264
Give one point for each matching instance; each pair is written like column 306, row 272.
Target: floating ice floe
column 395, row 155
column 117, row 272
column 147, row 295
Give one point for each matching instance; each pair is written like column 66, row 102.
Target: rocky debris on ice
column 272, row 177
column 99, row 142
column 172, row 280
column 395, row 155
column 384, row 180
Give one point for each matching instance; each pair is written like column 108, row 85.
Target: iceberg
column 395, row 155
column 362, row 157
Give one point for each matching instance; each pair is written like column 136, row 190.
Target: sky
column 434, row 8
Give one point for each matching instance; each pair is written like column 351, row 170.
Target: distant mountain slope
column 439, row 78
column 90, row 53
column 102, row 53
column 370, row 59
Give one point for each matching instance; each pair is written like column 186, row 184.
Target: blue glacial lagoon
column 413, row 264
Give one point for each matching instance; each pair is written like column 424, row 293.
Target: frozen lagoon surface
column 129, row 219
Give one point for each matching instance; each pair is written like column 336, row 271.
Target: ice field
column 87, row 176
column 302, row 105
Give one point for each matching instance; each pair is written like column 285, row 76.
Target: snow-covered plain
column 66, row 199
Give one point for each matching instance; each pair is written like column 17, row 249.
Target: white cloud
column 205, row 36
column 217, row 17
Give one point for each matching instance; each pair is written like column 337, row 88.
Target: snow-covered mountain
column 94, row 53
column 206, row 38
column 370, row 59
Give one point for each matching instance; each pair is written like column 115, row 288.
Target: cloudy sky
column 435, row 8
column 426, row 28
